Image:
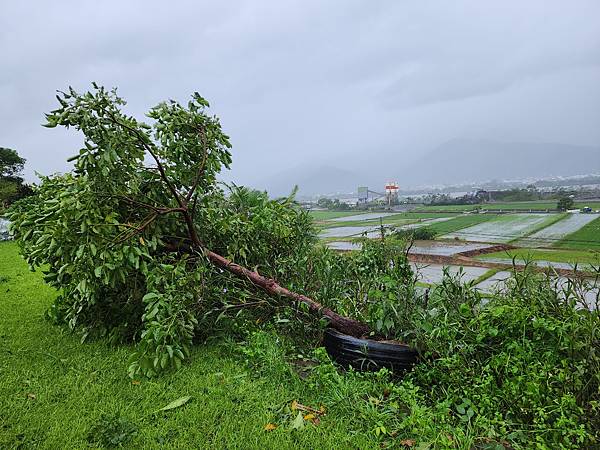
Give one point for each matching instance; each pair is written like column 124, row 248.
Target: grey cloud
column 347, row 84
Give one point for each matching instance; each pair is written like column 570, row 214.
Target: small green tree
column 565, row 203
column 12, row 186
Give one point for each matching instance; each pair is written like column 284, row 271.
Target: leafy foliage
column 11, row 164
column 12, row 187
column 421, row 234
column 565, row 203
column 521, row 365
column 112, row 431
column 111, row 232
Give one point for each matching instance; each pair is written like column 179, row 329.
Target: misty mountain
column 454, row 162
column 465, row 160
column 310, row 180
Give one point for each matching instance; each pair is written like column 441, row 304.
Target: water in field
column 442, row 248
column 343, row 245
column 495, row 282
column 371, row 231
column 367, row 216
column 422, row 223
column 590, row 294
column 434, row 273
column 558, row 230
column 539, row 263
column 502, row 229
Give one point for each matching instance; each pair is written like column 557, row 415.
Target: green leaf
column 298, row 422
column 149, row 296
column 176, row 404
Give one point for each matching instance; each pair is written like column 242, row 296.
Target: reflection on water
column 368, row 216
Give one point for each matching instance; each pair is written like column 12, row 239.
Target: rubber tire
column 366, row 354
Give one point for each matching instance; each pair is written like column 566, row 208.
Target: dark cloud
column 347, row 84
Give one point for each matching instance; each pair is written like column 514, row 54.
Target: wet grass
column 58, row 393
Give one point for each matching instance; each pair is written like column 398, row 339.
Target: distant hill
column 463, row 160
column 457, row 161
column 311, row 181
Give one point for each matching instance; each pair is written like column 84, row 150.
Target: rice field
column 434, row 273
column 444, row 248
column 586, row 238
column 542, row 205
column 503, row 228
column 369, row 230
column 328, row 215
column 548, row 236
column 365, row 216
column 544, row 255
column 460, row 222
column 423, row 223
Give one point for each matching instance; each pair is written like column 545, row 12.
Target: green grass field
column 535, row 254
column 586, row 238
column 55, row 390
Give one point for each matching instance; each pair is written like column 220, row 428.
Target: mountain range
column 453, row 162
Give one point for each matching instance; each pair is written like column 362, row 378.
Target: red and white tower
column 391, row 193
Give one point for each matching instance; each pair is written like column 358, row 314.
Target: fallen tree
column 111, row 231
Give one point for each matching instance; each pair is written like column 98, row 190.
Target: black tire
column 368, row 355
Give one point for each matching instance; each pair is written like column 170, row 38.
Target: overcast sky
column 311, row 83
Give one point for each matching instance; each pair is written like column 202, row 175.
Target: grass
column 535, row 254
column 54, row 390
column 587, row 237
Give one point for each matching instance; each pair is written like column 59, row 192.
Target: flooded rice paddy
column 368, row 216
column 445, row 248
column 502, row 229
column 434, row 273
column 370, row 231
column 549, row 235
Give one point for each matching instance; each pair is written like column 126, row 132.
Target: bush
column 520, row 367
column 416, row 234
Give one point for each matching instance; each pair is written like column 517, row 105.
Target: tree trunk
column 342, row 324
